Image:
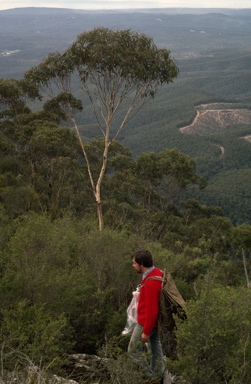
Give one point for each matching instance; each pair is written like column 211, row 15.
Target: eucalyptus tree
column 117, row 71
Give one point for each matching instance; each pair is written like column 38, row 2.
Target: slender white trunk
column 245, row 269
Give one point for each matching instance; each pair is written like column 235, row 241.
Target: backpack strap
column 162, row 279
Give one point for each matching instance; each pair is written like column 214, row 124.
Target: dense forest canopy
column 65, row 285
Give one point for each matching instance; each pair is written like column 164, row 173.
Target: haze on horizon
column 124, row 4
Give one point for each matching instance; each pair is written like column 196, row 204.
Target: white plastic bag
column 132, row 313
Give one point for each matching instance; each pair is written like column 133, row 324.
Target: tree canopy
column 117, row 71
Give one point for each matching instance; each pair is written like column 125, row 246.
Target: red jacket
column 148, row 306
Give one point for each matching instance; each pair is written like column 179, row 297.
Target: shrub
column 214, row 343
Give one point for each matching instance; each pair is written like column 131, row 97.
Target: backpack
column 171, row 302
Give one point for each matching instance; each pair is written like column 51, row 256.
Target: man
column 146, row 329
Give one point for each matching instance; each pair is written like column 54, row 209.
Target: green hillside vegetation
column 236, row 185
column 176, row 108
column 65, row 284
column 212, row 52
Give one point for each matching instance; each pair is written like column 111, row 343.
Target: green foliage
column 40, row 170
column 120, row 366
column 241, row 236
column 229, row 190
column 83, row 277
column 59, row 106
column 43, row 271
column 66, row 286
column 35, row 332
column 214, row 343
column 122, row 53
column 42, row 264
column 12, row 102
column 5, row 228
column 122, row 370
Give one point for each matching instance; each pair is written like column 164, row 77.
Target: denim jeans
column 148, row 357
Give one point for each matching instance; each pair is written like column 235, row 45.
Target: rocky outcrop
column 78, row 368
column 86, row 367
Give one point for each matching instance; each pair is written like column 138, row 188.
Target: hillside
column 205, row 113
column 216, row 117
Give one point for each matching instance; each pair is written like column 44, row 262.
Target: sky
column 124, row 4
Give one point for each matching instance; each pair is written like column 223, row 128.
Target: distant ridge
column 41, row 10
column 171, row 11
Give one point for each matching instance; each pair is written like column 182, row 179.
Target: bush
column 214, row 344
column 31, row 331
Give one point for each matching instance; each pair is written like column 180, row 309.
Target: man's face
column 137, row 267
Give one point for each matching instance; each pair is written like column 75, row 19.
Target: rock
column 80, row 367
column 167, row 378
column 86, row 367
column 60, row 380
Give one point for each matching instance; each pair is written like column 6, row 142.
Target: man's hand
column 144, row 338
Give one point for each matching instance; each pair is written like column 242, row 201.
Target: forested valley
column 65, row 249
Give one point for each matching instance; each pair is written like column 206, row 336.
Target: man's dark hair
column 143, row 257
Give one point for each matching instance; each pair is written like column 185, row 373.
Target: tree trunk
column 100, row 216
column 245, row 269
